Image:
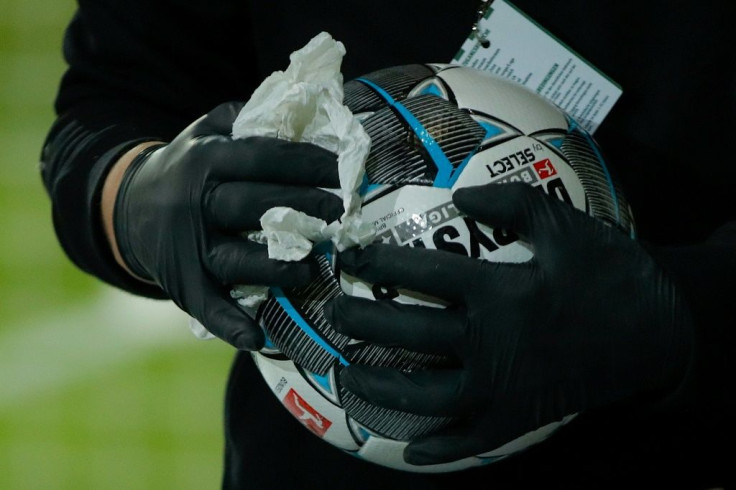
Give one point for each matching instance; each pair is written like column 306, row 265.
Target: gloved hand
column 589, row 321
column 181, row 209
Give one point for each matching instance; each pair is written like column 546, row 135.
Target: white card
column 522, row 51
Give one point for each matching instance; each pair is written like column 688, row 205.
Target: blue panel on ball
column 491, row 129
column 268, row 344
column 323, row 381
column 281, row 298
column 447, row 174
column 432, row 89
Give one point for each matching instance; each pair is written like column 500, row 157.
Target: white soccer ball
column 434, row 128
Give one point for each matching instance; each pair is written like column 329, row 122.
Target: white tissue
column 304, row 103
column 290, row 234
column 198, row 330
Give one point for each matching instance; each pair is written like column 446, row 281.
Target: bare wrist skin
column 109, row 193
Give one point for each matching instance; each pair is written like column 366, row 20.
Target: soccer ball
column 434, row 128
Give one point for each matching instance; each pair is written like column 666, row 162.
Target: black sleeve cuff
column 74, row 165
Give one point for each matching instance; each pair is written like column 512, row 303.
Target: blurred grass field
column 98, row 389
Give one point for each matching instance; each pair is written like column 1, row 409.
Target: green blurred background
column 98, row 389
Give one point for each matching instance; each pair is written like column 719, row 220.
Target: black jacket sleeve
column 136, row 73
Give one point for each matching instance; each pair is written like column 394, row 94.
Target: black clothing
column 142, row 70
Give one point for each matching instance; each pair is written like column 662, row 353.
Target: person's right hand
column 591, row 320
column 181, row 209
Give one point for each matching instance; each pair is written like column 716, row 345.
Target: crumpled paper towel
column 304, row 103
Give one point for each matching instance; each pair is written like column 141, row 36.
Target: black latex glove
column 181, row 209
column 590, row 320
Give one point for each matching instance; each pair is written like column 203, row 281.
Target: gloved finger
column 434, row 393
column 392, row 324
column 264, row 159
column 518, row 207
column 238, row 206
column 240, row 261
column 221, row 316
column 463, row 440
column 259, row 158
column 218, row 121
column 438, row 273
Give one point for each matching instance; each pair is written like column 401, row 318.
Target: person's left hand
column 590, row 320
